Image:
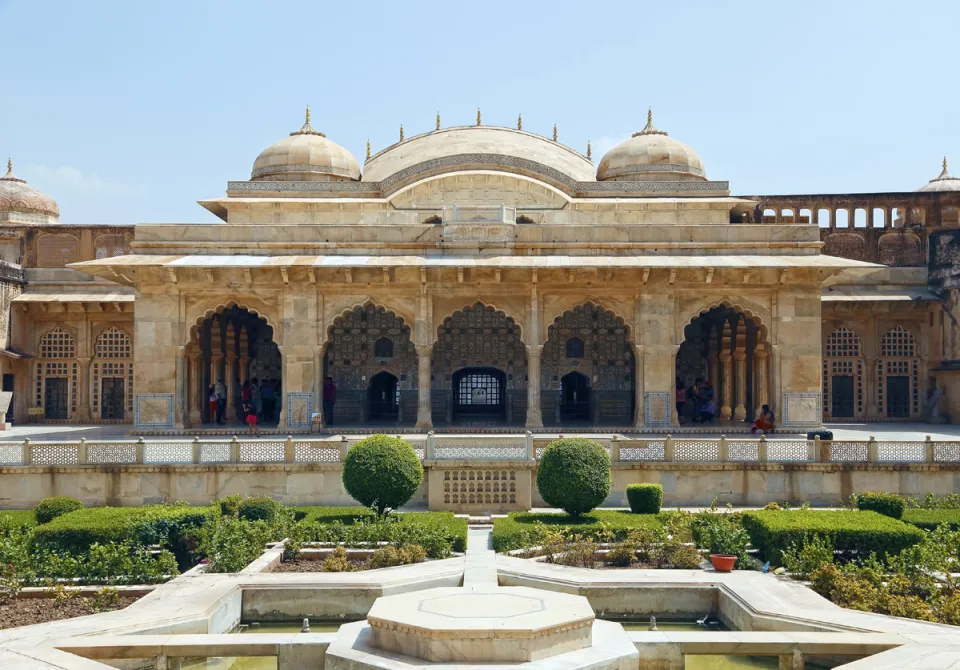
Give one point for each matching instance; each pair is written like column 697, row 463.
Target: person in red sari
column 764, row 422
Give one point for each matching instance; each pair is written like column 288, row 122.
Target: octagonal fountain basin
column 511, row 626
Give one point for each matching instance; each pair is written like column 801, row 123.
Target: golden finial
column 589, row 151
column 401, row 132
column 307, row 129
column 307, row 120
column 650, row 116
column 554, row 132
column 649, row 129
column 368, row 149
column 438, row 120
column 519, row 121
column 478, row 116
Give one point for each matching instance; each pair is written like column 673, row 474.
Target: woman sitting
column 764, row 421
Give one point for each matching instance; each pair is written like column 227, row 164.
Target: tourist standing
column 267, row 396
column 329, row 398
column 221, row 389
column 212, row 403
column 257, row 397
column 250, row 416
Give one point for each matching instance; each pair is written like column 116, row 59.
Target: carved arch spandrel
column 747, row 306
column 553, row 307
column 255, row 306
column 514, row 307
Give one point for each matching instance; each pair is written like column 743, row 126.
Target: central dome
column 942, row 182
column 478, row 148
column 23, row 203
column 651, row 155
column 307, row 155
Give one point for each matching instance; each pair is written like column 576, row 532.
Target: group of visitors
column 697, row 404
column 258, row 401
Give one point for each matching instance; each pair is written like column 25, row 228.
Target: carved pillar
column 639, row 409
column 760, row 366
column 869, row 388
column 85, row 401
column 281, row 400
column 726, row 397
column 534, row 417
column 231, row 381
column 424, row 414
column 740, row 358
column 195, row 394
column 244, row 356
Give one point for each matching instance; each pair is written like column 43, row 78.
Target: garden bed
column 928, row 519
column 26, row 611
column 525, row 529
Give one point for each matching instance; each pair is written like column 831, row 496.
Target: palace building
column 478, row 278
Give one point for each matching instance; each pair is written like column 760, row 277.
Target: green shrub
column 887, row 504
column 810, row 555
column 929, row 519
column 230, row 505
column 437, row 532
column 321, row 514
column 50, row 508
column 932, row 501
column 848, row 531
column 259, row 508
column 230, row 544
column 16, row 519
column 574, row 475
column 382, row 472
column 525, row 529
column 645, row 498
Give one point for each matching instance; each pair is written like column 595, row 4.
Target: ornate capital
column 424, row 350
column 534, row 349
column 725, row 356
column 740, row 355
column 761, row 354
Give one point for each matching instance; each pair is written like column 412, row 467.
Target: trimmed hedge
column 521, row 529
column 645, row 498
column 382, row 472
column 929, row 519
column 22, row 518
column 850, row 531
column 49, row 509
column 574, row 475
column 453, row 529
column 259, row 508
column 77, row 531
column 887, row 504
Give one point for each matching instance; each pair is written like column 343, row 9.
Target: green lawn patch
column 848, row 531
column 524, row 529
column 929, row 519
column 21, row 518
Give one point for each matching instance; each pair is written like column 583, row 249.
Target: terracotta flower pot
column 723, row 562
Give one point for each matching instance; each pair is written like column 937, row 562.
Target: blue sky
column 131, row 111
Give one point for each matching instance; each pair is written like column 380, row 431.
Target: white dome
column 17, row 197
column 307, row 155
column 942, row 182
column 478, row 148
column 651, row 155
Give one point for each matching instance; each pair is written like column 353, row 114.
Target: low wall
column 472, row 474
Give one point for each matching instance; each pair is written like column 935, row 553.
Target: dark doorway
column 8, row 384
column 55, row 398
column 384, row 396
column 841, row 398
column 574, row 397
column 898, row 397
column 111, row 398
column 480, row 393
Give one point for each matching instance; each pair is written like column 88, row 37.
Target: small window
column 383, row 348
column 574, row 348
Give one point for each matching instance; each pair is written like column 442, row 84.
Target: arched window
column 113, row 343
column 574, row 348
column 898, row 343
column 842, row 343
column 898, row 375
column 383, row 348
column 57, row 343
column 56, row 377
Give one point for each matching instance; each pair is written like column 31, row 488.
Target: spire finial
column 944, row 163
column 438, row 119
column 368, row 149
column 649, row 129
column 589, row 151
column 401, row 132
column 520, row 121
column 554, row 132
column 10, row 164
column 306, row 128
column 478, row 116
column 307, row 115
column 650, row 116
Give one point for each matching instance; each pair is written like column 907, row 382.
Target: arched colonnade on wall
column 481, row 369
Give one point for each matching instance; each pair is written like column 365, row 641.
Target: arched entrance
column 587, row 369
column 479, row 394
column 723, row 364
column 373, row 363
column 574, row 398
column 229, row 349
column 479, row 369
column 383, row 397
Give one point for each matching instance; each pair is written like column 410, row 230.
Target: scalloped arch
column 219, row 309
column 484, row 304
column 754, row 312
column 624, row 321
column 407, row 319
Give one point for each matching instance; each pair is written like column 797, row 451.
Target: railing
column 440, row 448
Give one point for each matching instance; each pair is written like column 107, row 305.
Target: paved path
column 481, row 567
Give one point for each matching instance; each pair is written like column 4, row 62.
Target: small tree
column 382, row 472
column 574, row 475
column 49, row 509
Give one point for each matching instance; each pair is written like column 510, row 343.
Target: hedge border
column 515, row 530
column 929, row 519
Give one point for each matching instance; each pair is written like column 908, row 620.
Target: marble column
column 230, row 379
column 639, row 413
column 740, row 362
column 727, row 395
column 872, row 410
column 281, row 402
column 424, row 413
column 761, row 366
column 85, row 401
column 534, row 416
column 195, row 395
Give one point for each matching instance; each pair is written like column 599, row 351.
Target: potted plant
column 728, row 542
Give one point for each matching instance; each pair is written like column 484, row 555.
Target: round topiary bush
column 645, row 498
column 574, row 475
column 382, row 472
column 258, row 508
column 888, row 504
column 50, row 508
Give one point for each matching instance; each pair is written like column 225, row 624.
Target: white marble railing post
column 534, row 416
column 424, row 411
